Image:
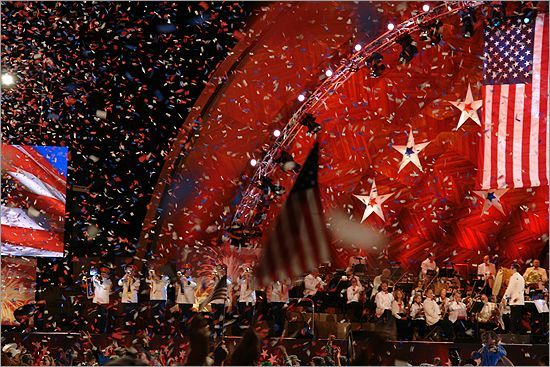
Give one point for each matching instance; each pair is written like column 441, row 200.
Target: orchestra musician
column 379, row 279
column 354, row 306
column 102, row 290
column 313, row 284
column 432, row 312
column 418, row 321
column 278, row 297
column 130, row 288
column 443, row 302
column 535, row 276
column 158, row 295
column 487, row 271
column 428, row 264
column 185, row 295
column 400, row 311
column 383, row 301
column 458, row 314
column 247, row 297
column 514, row 297
column 489, row 316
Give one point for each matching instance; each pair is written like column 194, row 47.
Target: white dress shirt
column 247, row 294
column 383, row 300
column 353, row 293
column 486, row 270
column 397, row 308
column 185, row 294
column 457, row 310
column 516, row 290
column 432, row 311
column 102, row 289
column 159, row 288
column 311, row 283
column 427, row 265
column 130, row 289
column 278, row 292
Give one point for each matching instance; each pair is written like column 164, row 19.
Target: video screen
column 33, row 200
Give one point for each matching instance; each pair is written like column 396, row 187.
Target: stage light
column 498, row 13
column 527, row 11
column 328, row 73
column 309, row 121
column 391, row 26
column 467, row 18
column 408, row 50
column 358, row 47
column 7, row 79
column 374, row 62
column 301, row 98
column 426, row 7
column 277, row 133
column 253, row 162
column 286, row 162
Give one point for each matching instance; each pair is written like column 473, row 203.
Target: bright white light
column 277, row 133
column 253, row 162
column 301, row 98
column 328, row 73
column 7, row 79
column 425, row 7
column 358, row 47
column 391, row 26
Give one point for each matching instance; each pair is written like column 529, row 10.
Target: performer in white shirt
column 428, row 264
column 278, row 297
column 535, row 276
column 102, row 290
column 247, row 298
column 458, row 315
column 383, row 301
column 130, row 288
column 515, row 297
column 488, row 271
column 353, row 293
column 417, row 315
column 313, row 283
column 185, row 295
column 385, row 276
column 432, row 313
column 158, row 295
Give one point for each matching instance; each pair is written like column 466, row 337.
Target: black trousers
column 158, row 310
column 129, row 312
column 419, row 326
column 515, row 318
column 102, row 313
column 403, row 329
column 355, row 310
column 278, row 313
column 185, row 314
column 246, row 312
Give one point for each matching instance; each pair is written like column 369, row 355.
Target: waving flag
column 299, row 241
column 514, row 149
column 219, row 292
column 33, row 200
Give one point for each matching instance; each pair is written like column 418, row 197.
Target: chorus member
column 432, row 313
column 385, row 276
column 418, row 320
column 313, row 283
column 218, row 305
column 458, row 313
column 130, row 288
column 428, row 264
column 102, row 290
column 278, row 297
column 185, row 294
column 400, row 311
column 383, row 301
column 487, row 271
column 514, row 296
column 158, row 295
column 353, row 295
column 247, row 297
column 535, row 276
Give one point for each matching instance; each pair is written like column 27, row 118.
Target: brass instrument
column 533, row 279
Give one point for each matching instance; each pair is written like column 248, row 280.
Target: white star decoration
column 469, row 109
column 410, row 152
column 373, row 202
column 492, row 198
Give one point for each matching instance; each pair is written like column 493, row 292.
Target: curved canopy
column 284, row 53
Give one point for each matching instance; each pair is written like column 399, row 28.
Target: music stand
column 446, row 273
column 478, row 283
column 477, row 307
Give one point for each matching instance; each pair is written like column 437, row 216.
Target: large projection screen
column 33, row 200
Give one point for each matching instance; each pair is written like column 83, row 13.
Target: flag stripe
column 543, row 108
column 527, row 134
column 37, row 239
column 509, row 137
column 487, row 92
column 518, row 136
column 494, row 138
column 501, row 135
column 534, row 142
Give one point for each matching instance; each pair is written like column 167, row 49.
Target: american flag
column 33, row 202
column 299, row 241
column 514, row 148
column 219, row 292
